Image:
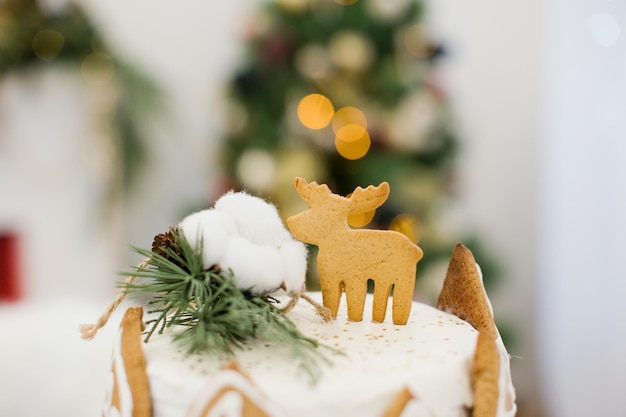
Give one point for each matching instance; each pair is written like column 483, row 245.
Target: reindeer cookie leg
column 331, row 287
column 381, row 298
column 403, row 297
column 355, row 298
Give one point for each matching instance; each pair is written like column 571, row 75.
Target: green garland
column 216, row 316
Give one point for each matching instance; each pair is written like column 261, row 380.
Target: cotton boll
column 256, row 219
column 257, row 268
column 192, row 227
column 294, row 257
column 211, row 229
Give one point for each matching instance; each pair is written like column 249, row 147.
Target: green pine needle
column 216, row 316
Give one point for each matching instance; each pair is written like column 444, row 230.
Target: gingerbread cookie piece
column 485, row 375
column 129, row 394
column 463, row 294
column 348, row 258
column 399, row 403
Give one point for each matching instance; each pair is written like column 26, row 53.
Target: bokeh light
column 293, row 5
column 315, row 111
column 416, row 41
column 351, row 50
column 348, row 116
column 408, row 226
column 389, row 11
column 604, row 29
column 313, row 61
column 346, row 2
column 238, row 117
column 358, row 220
column 47, row 44
column 98, row 68
column 256, row 169
column 352, row 141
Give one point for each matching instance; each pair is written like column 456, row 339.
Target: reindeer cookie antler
column 348, row 258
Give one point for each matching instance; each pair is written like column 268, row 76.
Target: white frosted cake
column 428, row 367
column 218, row 344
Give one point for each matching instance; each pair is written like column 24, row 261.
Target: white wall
column 582, row 283
column 191, row 50
column 491, row 73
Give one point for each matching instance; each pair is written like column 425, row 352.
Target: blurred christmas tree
column 345, row 93
column 33, row 36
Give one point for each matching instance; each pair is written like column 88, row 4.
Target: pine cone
column 164, row 241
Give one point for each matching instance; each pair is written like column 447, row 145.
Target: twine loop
column 89, row 331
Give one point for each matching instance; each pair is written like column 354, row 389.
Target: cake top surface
column 431, row 356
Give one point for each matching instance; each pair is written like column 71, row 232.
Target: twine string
column 293, row 300
column 89, row 331
column 322, row 311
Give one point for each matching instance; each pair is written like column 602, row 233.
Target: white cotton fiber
column 245, row 234
column 212, row 230
column 192, row 228
column 257, row 220
column 257, row 268
column 294, row 257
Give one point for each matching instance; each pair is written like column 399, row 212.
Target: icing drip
column 118, row 398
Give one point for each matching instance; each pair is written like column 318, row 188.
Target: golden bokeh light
column 313, row 61
column 315, row 111
column 98, row 68
column 47, row 44
column 416, row 41
column 348, row 116
column 293, row 5
column 406, row 224
column 351, row 50
column 352, row 141
column 359, row 220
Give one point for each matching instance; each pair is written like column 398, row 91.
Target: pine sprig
column 215, row 316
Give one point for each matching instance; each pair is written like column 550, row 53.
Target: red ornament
column 10, row 280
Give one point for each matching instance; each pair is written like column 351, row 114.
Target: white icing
column 432, row 355
column 231, row 403
column 123, row 388
column 506, row 400
column 415, row 407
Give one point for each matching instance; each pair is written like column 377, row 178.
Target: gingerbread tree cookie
column 463, row 294
column 348, row 258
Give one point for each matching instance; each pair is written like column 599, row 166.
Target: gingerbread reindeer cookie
column 348, row 258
